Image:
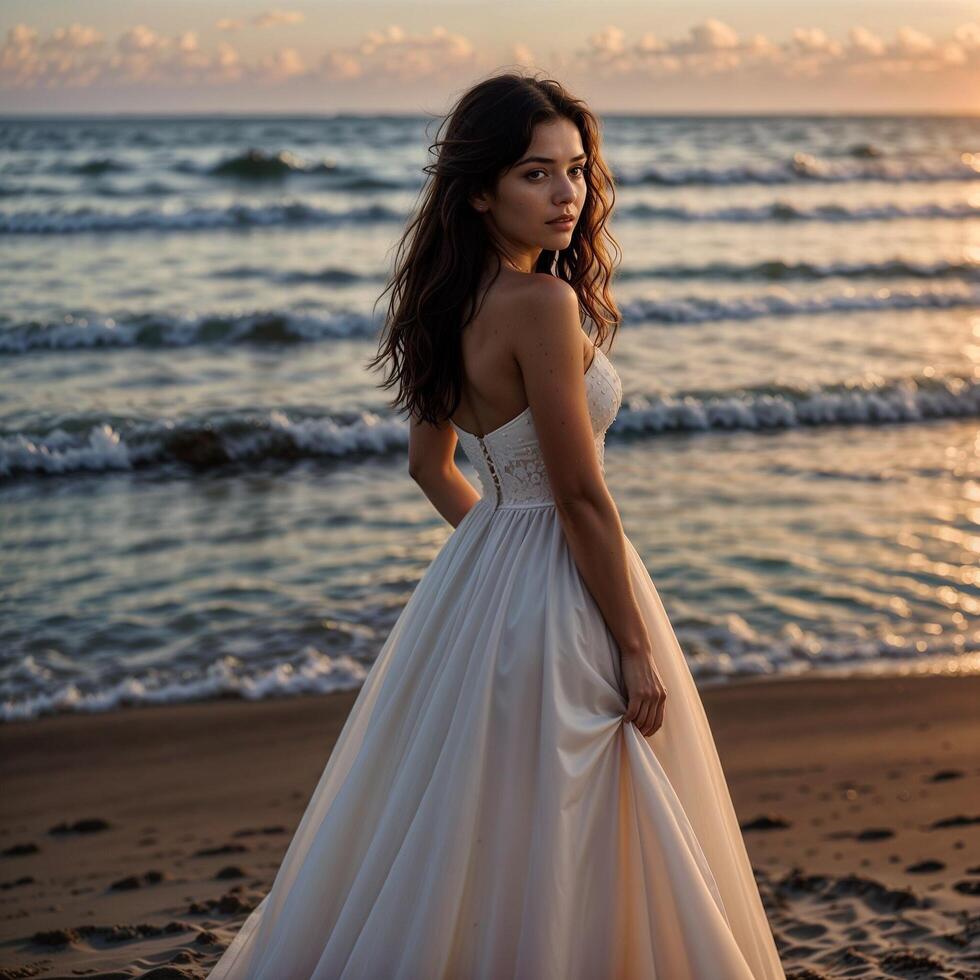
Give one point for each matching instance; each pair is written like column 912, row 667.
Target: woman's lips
column 563, row 223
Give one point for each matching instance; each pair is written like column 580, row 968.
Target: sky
column 319, row 56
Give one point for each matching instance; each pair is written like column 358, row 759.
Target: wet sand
column 134, row 843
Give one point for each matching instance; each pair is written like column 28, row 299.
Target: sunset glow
column 881, row 56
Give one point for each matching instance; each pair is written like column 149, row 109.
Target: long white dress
column 486, row 812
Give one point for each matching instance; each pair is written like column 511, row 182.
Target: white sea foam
column 297, row 213
column 316, row 673
column 271, row 327
column 248, row 435
column 716, row 653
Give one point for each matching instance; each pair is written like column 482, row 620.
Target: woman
column 510, row 796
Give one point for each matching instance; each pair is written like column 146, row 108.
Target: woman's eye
column 576, row 167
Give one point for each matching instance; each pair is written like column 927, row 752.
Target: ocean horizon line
column 706, row 114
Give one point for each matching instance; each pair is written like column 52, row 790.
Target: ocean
column 204, row 494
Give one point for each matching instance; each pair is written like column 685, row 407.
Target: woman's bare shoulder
column 544, row 317
column 526, row 316
column 546, row 299
column 539, row 299
column 524, row 303
column 542, row 290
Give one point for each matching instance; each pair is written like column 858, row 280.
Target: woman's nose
column 566, row 192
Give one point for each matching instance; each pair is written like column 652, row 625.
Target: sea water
column 204, row 493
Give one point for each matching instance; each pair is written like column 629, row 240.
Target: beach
column 209, row 529
column 209, row 532
column 134, row 842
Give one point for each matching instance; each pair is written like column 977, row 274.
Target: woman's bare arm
column 548, row 346
column 450, row 493
column 431, row 464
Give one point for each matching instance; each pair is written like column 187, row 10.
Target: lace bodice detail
column 508, row 459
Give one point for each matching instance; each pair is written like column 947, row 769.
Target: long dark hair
column 442, row 254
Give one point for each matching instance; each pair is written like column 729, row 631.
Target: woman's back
column 493, row 385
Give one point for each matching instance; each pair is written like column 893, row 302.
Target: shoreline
column 937, row 667
column 842, row 787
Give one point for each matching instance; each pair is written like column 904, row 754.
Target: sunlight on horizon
column 721, row 57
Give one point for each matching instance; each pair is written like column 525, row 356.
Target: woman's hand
column 646, row 694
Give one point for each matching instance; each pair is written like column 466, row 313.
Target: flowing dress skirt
column 486, row 812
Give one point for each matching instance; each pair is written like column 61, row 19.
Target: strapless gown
column 486, row 813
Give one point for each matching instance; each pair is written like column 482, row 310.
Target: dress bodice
column 508, row 459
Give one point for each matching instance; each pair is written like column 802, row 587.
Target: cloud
column 813, row 40
column 140, row 39
column 608, row 45
column 281, row 65
column 73, row 38
column 712, row 47
column 968, row 36
column 397, row 54
column 278, row 18
column 650, row 42
column 80, row 56
column 77, row 55
column 711, row 35
column 912, row 42
column 68, row 57
column 340, row 65
column 861, row 39
column 227, row 62
column 143, row 55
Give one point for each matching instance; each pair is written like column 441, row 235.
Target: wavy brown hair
column 441, row 256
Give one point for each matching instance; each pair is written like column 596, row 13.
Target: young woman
column 514, row 793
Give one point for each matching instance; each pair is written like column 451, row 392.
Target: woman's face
column 548, row 180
